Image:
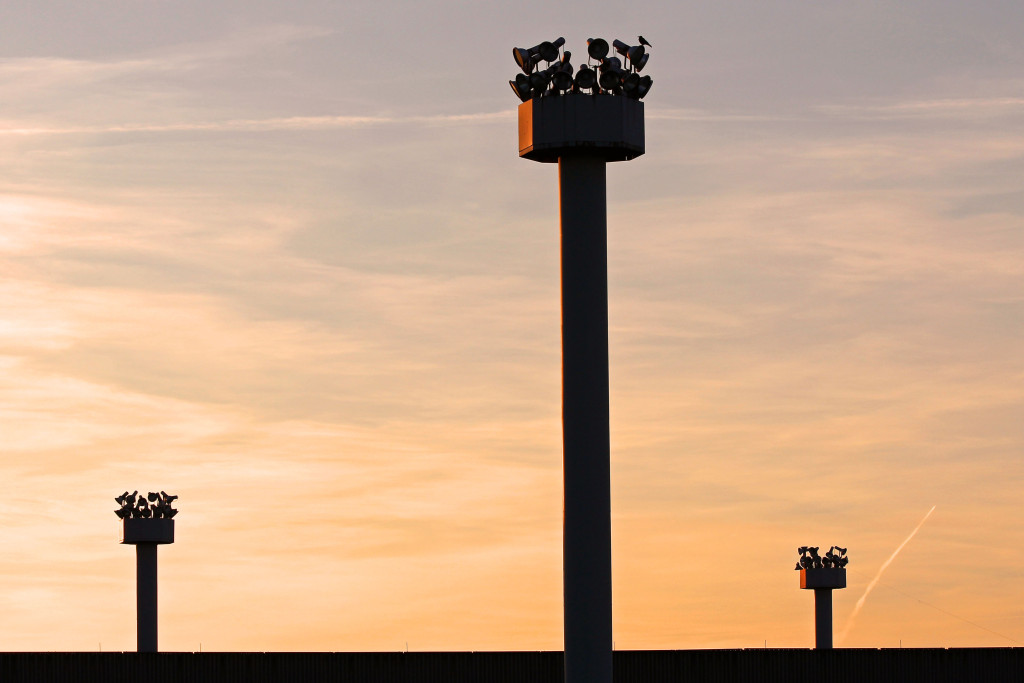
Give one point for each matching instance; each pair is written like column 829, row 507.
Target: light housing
column 597, row 48
column 631, row 52
column 527, row 58
column 644, row 86
column 610, row 76
column 586, row 78
column 521, row 86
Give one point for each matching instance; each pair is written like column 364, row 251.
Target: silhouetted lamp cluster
column 835, row 558
column 152, row 505
column 601, row 75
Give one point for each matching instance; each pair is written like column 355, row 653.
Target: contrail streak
column 874, row 581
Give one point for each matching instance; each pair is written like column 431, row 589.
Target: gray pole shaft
column 145, row 579
column 823, row 618
column 587, row 543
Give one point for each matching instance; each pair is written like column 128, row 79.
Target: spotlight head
column 562, row 79
column 644, row 86
column 609, row 80
column 524, row 59
column 521, row 86
column 631, row 52
column 597, row 48
column 539, row 79
column 585, row 78
column 630, row 84
column 605, row 72
column 549, row 50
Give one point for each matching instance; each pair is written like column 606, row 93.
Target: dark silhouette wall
column 652, row 666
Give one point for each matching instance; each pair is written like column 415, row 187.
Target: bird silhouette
column 643, row 41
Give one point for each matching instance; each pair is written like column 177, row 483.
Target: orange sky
column 292, row 270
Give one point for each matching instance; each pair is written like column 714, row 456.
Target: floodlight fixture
column 597, row 48
column 549, row 50
column 524, row 59
column 562, row 78
column 586, row 78
column 559, row 77
column 608, row 80
column 612, row 73
column 631, row 52
column 528, row 58
column 521, row 87
column 134, row 506
column 644, row 86
column 630, row 84
column 539, row 80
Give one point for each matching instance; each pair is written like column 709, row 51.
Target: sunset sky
column 282, row 259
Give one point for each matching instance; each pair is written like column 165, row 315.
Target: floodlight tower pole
column 145, row 534
column 823, row 581
column 582, row 133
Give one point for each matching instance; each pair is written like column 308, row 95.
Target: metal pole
column 823, row 618
column 145, row 579
column 587, row 549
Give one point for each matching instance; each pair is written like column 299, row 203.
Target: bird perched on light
column 643, row 41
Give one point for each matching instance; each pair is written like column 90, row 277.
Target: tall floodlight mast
column 146, row 522
column 582, row 120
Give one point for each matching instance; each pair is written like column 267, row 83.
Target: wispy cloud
column 297, row 123
column 946, row 108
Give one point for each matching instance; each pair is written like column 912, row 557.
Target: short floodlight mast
column 582, row 126
column 146, row 522
column 822, row 574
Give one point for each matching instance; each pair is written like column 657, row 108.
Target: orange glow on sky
column 315, row 294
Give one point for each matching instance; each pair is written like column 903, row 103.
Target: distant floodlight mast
column 822, row 575
column 146, row 522
column 583, row 125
